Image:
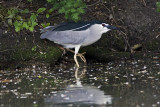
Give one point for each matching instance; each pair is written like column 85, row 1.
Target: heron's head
column 103, row 27
column 106, row 27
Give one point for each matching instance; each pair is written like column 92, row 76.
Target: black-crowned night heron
column 75, row 35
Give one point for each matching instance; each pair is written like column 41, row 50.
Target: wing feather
column 66, row 33
column 65, row 37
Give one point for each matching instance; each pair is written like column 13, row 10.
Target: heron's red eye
column 103, row 24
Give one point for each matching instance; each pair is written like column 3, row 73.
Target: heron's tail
column 46, row 29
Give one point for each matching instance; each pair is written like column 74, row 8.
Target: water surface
column 120, row 83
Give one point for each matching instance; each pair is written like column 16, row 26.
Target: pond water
column 121, row 83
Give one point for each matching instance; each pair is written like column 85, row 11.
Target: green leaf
column 19, row 17
column 73, row 10
column 47, row 15
column 25, row 25
column 29, row 0
column 75, row 16
column 33, row 17
column 69, row 4
column 16, row 23
column 24, row 11
column 34, row 24
column 11, row 15
column 9, row 12
column 34, row 48
column 56, row 6
column 17, row 29
column 80, row 10
column 50, row 10
column 49, row 1
column 40, row 10
column 61, row 10
column 14, row 10
column 158, row 6
column 66, row 16
column 48, row 24
column 10, row 21
column 45, row 25
column 31, row 29
column 29, row 23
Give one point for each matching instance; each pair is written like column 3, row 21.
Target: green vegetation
column 29, row 19
column 21, row 23
column 48, row 55
column 158, row 6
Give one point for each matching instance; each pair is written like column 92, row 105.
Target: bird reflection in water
column 78, row 95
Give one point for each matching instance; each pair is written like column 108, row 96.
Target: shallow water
column 120, row 83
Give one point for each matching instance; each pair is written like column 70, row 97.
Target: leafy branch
column 72, row 9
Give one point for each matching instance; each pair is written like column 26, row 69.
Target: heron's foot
column 81, row 55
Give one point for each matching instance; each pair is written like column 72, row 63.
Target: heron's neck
column 105, row 31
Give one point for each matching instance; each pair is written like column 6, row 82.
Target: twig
column 95, row 3
column 6, row 50
column 144, row 2
column 106, row 7
column 19, row 4
column 126, row 40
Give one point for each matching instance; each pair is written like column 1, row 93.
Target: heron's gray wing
column 49, row 28
column 67, row 33
column 66, row 37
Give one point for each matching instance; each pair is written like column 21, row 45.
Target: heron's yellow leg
column 81, row 55
column 75, row 59
column 75, row 54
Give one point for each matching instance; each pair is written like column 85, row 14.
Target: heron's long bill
column 111, row 27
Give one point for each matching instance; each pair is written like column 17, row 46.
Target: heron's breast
column 92, row 38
